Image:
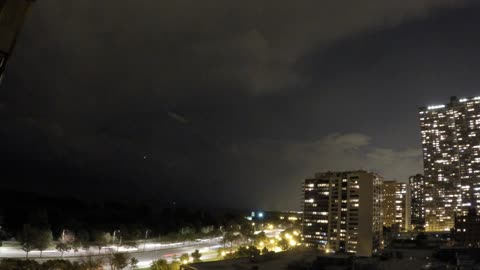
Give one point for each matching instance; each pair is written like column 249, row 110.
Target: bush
column 15, row 264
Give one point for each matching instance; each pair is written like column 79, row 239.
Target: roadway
column 145, row 253
column 16, row 252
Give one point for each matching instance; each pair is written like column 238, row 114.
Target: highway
column 145, row 253
column 152, row 252
column 16, row 252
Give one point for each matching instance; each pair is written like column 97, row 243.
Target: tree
column 248, row 251
column 58, row 264
column 90, row 263
column 16, row 264
column 42, row 240
column 184, row 258
column 160, row 265
column 101, row 239
column 133, row 263
column 175, row 265
column 26, row 238
column 196, row 256
column 62, row 247
column 118, row 261
column 261, row 237
column 230, row 237
column 82, row 239
column 76, row 245
column 283, row 244
column 247, row 231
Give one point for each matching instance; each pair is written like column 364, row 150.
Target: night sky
column 226, row 103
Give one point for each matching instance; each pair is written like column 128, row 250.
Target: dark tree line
column 132, row 220
column 116, row 261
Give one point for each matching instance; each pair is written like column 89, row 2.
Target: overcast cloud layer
column 177, row 97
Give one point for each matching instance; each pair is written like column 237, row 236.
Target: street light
column 113, row 239
column 146, row 236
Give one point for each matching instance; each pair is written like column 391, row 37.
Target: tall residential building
column 417, row 194
column 343, row 212
column 467, row 230
column 396, row 205
column 388, row 203
column 451, row 157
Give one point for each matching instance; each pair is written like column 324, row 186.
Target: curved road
column 144, row 253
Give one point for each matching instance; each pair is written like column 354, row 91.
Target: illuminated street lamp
column 146, row 236
column 113, row 239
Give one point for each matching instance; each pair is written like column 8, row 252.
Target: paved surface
column 145, row 258
column 16, row 252
column 145, row 253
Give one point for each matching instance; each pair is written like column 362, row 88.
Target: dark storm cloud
column 177, row 96
column 184, row 46
column 301, row 159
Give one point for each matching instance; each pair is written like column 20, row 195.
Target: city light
column 448, row 139
column 436, row 107
column 323, row 226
